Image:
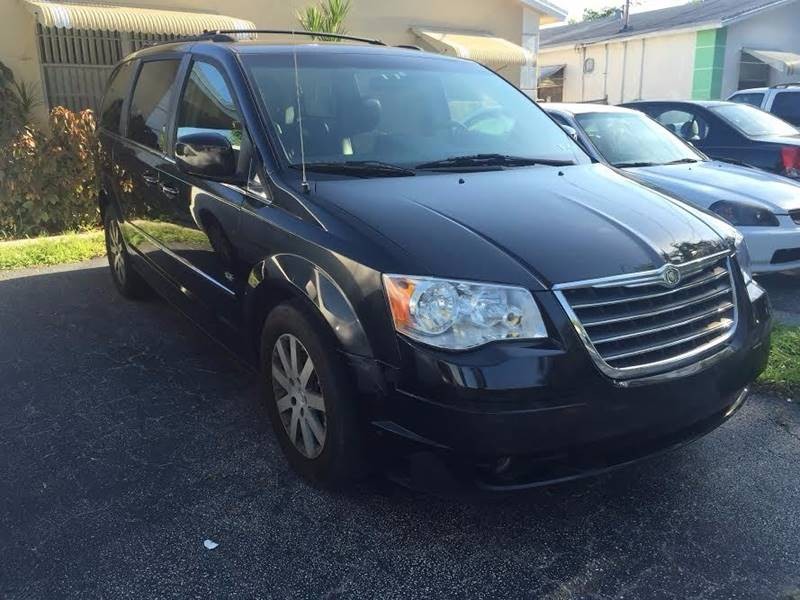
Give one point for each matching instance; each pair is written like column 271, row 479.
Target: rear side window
column 150, row 104
column 786, row 105
column 753, row 99
column 111, row 111
column 684, row 124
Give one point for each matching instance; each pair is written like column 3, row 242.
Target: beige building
column 69, row 47
column 703, row 50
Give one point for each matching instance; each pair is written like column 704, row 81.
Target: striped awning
column 131, row 19
column 481, row 47
column 785, row 62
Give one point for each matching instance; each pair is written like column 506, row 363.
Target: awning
column 481, row 47
column 785, row 62
column 131, row 19
column 551, row 71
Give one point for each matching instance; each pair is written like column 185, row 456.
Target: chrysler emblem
column 671, row 276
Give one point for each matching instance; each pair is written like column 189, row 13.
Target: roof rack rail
column 317, row 34
column 786, row 85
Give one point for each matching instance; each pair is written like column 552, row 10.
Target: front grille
column 795, row 215
column 639, row 323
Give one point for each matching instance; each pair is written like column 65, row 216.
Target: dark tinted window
column 751, row 98
column 111, row 112
column 207, row 105
column 149, row 111
column 752, row 121
column 786, row 105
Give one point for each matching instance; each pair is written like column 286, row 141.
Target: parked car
column 424, row 266
column 732, row 132
column 764, row 207
column 782, row 100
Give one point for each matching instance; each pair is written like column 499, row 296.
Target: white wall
column 776, row 29
column 645, row 68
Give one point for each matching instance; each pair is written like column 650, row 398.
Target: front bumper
column 518, row 415
column 769, row 246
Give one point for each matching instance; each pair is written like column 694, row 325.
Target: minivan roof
column 285, row 47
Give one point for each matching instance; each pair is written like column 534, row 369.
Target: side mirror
column 206, row 154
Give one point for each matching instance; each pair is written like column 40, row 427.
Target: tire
column 316, row 420
column 127, row 281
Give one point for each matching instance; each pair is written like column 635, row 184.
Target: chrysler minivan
column 428, row 272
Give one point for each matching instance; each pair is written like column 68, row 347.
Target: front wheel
column 129, row 283
column 309, row 398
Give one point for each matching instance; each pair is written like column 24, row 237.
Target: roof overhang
column 131, row 19
column 549, row 12
column 787, row 63
column 628, row 38
column 549, row 71
column 479, row 46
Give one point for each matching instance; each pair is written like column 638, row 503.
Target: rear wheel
column 309, row 398
column 129, row 283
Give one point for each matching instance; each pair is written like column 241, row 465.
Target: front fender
column 289, row 271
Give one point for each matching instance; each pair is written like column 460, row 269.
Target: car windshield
column 752, row 121
column 385, row 111
column 631, row 139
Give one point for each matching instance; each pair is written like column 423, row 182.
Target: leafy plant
column 28, row 99
column 47, row 177
column 328, row 16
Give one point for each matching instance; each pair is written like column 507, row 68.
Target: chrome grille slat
column 638, row 333
column 724, row 324
column 662, row 310
column 718, row 274
column 637, row 324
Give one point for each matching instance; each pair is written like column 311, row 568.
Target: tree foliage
column 328, row 16
column 590, row 14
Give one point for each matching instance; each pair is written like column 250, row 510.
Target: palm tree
column 328, row 16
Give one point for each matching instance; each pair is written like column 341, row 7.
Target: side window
column 150, row 104
column 119, row 84
column 685, row 124
column 786, row 105
column 207, row 105
column 753, row 99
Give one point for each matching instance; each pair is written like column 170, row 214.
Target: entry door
column 205, row 215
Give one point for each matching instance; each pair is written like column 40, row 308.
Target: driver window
column 684, row 124
column 207, row 105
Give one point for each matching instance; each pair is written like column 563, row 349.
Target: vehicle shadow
column 784, row 293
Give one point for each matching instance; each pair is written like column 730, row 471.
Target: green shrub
column 47, row 178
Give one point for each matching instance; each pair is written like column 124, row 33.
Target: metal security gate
column 77, row 62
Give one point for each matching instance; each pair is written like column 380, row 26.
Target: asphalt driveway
column 127, row 439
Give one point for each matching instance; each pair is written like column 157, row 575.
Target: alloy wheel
column 116, row 251
column 298, row 394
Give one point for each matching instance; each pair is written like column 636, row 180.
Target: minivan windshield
column 386, row 112
column 630, row 139
column 752, row 121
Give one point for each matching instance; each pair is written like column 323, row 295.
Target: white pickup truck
column 781, row 100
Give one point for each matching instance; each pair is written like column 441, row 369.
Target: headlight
column 739, row 213
column 743, row 258
column 457, row 315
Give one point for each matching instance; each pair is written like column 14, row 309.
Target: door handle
column 169, row 190
column 150, row 178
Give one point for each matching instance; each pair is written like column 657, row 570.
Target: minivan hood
column 560, row 224
column 704, row 183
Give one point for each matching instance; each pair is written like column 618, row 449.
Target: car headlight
column 457, row 315
column 740, row 213
column 743, row 258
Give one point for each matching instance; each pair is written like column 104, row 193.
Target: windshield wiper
column 682, row 161
column 492, row 160
column 625, row 165
column 359, row 168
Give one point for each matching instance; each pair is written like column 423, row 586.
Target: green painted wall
column 709, row 60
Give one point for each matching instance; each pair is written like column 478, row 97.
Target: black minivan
column 424, row 266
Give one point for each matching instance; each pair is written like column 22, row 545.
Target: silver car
column 764, row 207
